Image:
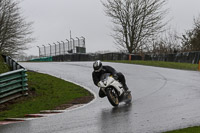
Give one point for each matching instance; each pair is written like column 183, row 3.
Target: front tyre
column 112, row 97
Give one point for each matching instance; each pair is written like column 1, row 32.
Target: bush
column 3, row 66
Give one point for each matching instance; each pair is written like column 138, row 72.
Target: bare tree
column 135, row 21
column 167, row 43
column 14, row 30
column 191, row 39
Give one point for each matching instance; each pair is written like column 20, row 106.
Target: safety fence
column 89, row 57
column 186, row 57
column 12, row 63
column 13, row 84
column 63, row 47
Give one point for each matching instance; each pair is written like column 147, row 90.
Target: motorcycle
column 114, row 90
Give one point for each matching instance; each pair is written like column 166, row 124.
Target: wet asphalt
column 163, row 99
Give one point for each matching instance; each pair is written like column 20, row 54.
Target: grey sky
column 53, row 19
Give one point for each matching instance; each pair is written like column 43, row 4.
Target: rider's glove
column 99, row 84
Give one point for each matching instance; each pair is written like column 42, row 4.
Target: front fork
column 103, row 89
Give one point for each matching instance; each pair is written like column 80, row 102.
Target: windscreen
column 104, row 76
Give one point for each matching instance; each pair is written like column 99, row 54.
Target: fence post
column 83, row 41
column 14, row 66
column 78, row 41
column 50, row 49
column 23, row 74
column 39, row 51
column 44, row 51
column 55, row 48
column 199, row 65
column 59, row 48
column 129, row 58
column 68, row 44
column 73, row 49
column 63, row 47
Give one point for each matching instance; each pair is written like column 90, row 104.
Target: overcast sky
column 53, row 20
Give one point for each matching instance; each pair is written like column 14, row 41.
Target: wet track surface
column 163, row 99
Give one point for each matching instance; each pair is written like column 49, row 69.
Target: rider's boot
column 127, row 91
column 126, row 87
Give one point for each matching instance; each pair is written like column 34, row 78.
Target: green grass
column 3, row 66
column 50, row 92
column 174, row 65
column 187, row 130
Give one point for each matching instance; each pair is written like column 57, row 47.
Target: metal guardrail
column 12, row 63
column 13, row 84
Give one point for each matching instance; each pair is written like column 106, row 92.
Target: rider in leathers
column 99, row 69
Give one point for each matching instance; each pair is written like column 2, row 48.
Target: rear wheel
column 112, row 97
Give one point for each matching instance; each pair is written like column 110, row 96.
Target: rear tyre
column 112, row 97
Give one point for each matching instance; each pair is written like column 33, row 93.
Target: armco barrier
column 13, row 84
column 11, row 63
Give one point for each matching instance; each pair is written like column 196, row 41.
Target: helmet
column 97, row 66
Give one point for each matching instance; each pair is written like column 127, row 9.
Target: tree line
column 139, row 27
column 15, row 32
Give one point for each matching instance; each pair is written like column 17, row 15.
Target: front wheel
column 112, row 97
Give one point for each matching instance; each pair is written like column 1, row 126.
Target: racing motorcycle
column 114, row 90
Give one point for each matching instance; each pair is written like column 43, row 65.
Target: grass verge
column 45, row 92
column 174, row 65
column 186, row 130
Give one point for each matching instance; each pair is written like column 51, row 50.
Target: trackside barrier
column 92, row 57
column 186, row 57
column 13, row 84
column 43, row 59
column 12, row 63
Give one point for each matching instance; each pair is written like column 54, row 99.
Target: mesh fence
column 62, row 48
column 186, row 57
column 92, row 57
column 75, row 50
